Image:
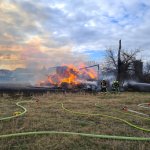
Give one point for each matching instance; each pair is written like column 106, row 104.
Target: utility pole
column 119, row 63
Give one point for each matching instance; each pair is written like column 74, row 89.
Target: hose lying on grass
column 127, row 112
column 108, row 116
column 112, row 137
column 136, row 112
column 20, row 114
column 143, row 105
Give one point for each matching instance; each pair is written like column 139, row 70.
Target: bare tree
column 121, row 61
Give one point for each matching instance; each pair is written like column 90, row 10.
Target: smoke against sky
column 52, row 32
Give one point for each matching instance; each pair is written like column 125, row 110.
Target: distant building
column 138, row 69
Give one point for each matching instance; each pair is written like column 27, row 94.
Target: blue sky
column 52, row 32
column 97, row 55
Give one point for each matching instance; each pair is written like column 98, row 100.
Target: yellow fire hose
column 108, row 116
column 127, row 113
column 112, row 137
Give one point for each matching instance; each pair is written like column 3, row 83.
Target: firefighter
column 103, row 86
column 115, row 86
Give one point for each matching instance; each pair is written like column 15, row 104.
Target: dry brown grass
column 48, row 115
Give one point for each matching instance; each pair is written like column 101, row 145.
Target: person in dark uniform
column 115, row 86
column 103, row 86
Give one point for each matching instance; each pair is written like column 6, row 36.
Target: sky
column 51, row 32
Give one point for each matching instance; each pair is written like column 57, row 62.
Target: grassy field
column 48, row 115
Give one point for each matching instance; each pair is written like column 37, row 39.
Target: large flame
column 71, row 74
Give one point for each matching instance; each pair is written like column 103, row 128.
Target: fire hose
column 112, row 137
column 143, row 105
column 130, row 114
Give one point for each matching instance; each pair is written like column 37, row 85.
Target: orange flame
column 71, row 75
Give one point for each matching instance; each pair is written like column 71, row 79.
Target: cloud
column 102, row 23
column 51, row 32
